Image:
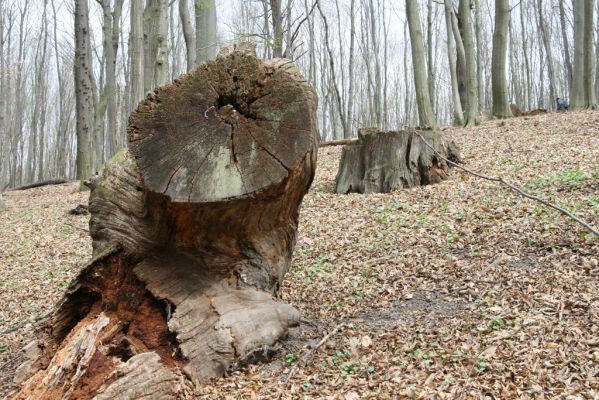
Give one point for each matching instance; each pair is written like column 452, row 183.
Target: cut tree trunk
column 380, row 162
column 193, row 231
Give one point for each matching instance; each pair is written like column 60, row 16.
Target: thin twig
column 514, row 188
column 309, row 353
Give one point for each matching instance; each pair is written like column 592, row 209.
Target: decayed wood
column 48, row 182
column 380, row 162
column 193, row 231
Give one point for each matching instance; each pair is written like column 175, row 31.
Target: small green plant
column 481, row 365
column 496, row 324
column 290, row 358
column 349, row 368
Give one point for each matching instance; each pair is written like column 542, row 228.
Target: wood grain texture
column 193, row 231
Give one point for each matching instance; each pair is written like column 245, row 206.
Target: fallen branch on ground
column 309, row 353
column 341, row 142
column 516, row 189
column 42, row 183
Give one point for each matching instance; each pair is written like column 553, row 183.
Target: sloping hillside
column 457, row 289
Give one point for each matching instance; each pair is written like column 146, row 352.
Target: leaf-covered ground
column 458, row 290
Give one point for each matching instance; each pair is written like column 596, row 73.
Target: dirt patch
column 425, row 307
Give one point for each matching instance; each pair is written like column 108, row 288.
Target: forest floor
column 457, row 290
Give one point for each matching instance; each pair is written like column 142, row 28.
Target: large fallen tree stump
column 380, row 162
column 193, row 231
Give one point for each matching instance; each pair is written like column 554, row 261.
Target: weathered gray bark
column 471, row 85
column 583, row 71
column 190, row 44
column 564, row 31
column 589, row 55
column 423, row 100
column 501, row 102
column 155, row 44
column 206, row 40
column 136, row 54
column 544, row 30
column 458, row 114
column 380, row 162
column 83, row 89
column 193, row 230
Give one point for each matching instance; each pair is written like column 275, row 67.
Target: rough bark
column 193, row 230
column 380, row 162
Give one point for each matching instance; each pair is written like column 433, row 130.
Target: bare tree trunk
column 527, row 67
column 136, row 54
column 471, row 84
column 83, row 89
column 206, row 40
column 479, row 54
column 277, row 23
column 348, row 132
column 577, row 95
column 589, row 54
column 501, row 103
column 155, row 44
column 567, row 61
column 111, row 31
column 548, row 52
column 190, row 44
column 458, row 114
column 425, row 111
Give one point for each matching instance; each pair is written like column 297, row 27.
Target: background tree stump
column 193, row 231
column 380, row 162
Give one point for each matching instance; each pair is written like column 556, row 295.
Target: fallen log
column 380, row 162
column 193, row 230
column 48, row 182
column 341, row 142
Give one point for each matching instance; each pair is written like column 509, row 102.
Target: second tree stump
column 380, row 162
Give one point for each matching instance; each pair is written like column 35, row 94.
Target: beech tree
column 501, row 103
column 425, row 111
column 582, row 92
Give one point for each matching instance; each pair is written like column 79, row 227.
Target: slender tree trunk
column 527, row 68
column 589, row 54
column 136, row 54
column 348, row 133
column 155, row 44
column 479, row 54
column 564, row 30
column 206, row 40
column 83, row 88
column 451, row 52
column 277, row 23
column 544, row 30
column 429, row 52
column 190, row 44
column 470, row 66
column 577, row 95
column 425, row 111
column 501, row 103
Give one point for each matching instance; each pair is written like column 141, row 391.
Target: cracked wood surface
column 237, row 125
column 193, row 232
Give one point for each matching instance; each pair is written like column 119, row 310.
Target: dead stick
column 516, row 189
column 311, row 351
